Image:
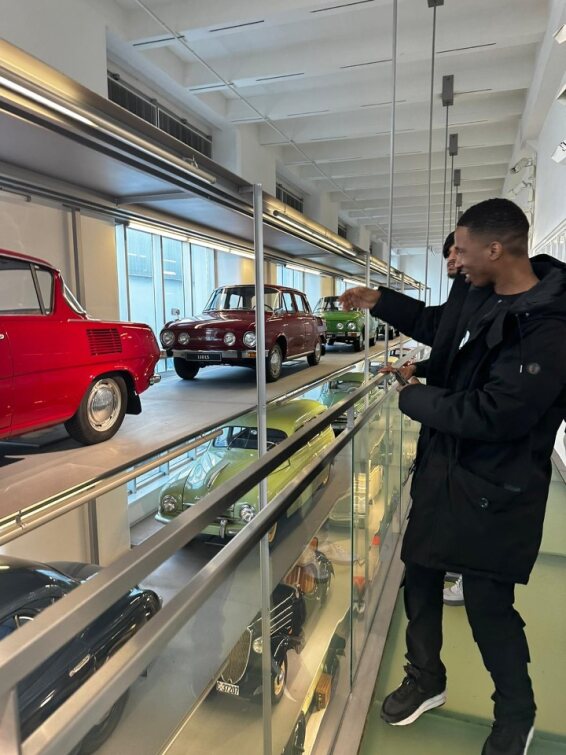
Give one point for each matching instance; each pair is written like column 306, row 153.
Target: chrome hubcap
column 275, row 361
column 104, row 404
column 317, row 350
column 279, row 681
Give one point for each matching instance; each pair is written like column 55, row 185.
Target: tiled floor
column 462, row 725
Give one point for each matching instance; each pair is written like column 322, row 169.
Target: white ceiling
column 318, row 75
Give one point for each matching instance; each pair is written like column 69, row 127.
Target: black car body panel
column 26, row 588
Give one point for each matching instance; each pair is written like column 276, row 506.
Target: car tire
column 100, row 412
column 273, row 363
column 100, row 733
column 279, row 681
column 314, row 358
column 358, row 343
column 323, row 349
column 185, row 370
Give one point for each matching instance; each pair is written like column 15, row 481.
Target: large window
column 203, row 278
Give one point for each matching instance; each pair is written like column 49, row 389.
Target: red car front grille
column 104, row 341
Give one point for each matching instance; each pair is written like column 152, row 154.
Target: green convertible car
column 233, row 450
column 345, row 327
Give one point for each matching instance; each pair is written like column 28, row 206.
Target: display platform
column 41, row 465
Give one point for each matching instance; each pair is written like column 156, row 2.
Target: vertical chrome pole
column 366, row 320
column 430, row 145
column 262, row 449
column 391, row 160
column 94, row 545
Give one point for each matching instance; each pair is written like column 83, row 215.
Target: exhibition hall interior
column 202, row 509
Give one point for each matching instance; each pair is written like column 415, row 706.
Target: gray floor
column 27, row 465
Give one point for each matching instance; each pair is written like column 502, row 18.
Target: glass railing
column 259, row 635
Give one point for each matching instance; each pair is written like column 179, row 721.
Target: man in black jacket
column 494, row 399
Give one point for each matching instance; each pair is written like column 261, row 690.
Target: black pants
column 497, row 629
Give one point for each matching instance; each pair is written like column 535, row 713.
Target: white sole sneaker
column 529, row 740
column 432, row 702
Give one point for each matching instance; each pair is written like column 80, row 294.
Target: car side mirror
column 175, row 312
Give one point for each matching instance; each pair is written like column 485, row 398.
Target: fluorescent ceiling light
column 560, row 34
column 247, row 255
column 157, row 231
column 311, row 232
column 353, row 282
column 302, row 269
column 559, row 155
column 30, row 94
column 109, row 128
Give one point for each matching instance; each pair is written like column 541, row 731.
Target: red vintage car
column 225, row 332
column 59, row 365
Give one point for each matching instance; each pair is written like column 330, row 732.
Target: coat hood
column 548, row 297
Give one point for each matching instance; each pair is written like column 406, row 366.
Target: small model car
column 345, row 326
column 393, row 332
column 319, row 694
column 241, row 674
column 57, row 364
column 225, row 332
column 26, row 588
column 234, row 449
column 340, row 388
column 341, row 513
column 311, row 574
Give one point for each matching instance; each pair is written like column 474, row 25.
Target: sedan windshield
column 328, row 304
column 246, row 437
column 241, row 298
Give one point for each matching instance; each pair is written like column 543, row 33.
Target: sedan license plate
column 205, row 356
column 228, row 689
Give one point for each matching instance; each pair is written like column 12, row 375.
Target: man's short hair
column 447, row 244
column 499, row 220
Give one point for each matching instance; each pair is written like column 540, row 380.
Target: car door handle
column 81, row 664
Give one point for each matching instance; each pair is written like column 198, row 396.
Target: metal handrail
column 34, row 643
column 29, row 518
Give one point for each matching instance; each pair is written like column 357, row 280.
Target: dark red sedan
column 57, row 364
column 225, row 332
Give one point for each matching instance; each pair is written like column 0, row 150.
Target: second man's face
column 451, row 270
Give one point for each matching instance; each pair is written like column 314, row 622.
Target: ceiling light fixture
column 559, row 155
column 30, row 94
column 302, row 269
column 281, row 216
column 236, row 26
column 110, row 129
column 146, row 228
column 343, row 5
column 560, row 34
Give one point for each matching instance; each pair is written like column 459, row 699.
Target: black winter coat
column 490, row 413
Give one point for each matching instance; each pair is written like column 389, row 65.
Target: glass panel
column 228, row 269
column 178, row 703
column 202, row 269
column 312, row 555
column 172, row 265
column 312, row 287
column 141, row 277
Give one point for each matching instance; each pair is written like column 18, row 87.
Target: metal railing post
column 265, row 575
column 10, row 743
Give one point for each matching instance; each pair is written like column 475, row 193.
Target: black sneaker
column 409, row 701
column 509, row 738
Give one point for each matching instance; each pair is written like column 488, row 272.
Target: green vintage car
column 233, row 450
column 345, row 327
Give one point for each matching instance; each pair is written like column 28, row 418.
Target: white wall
column 66, row 34
column 322, row 210
column 550, row 196
column 414, row 265
column 100, row 269
column 38, row 229
column 240, row 151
